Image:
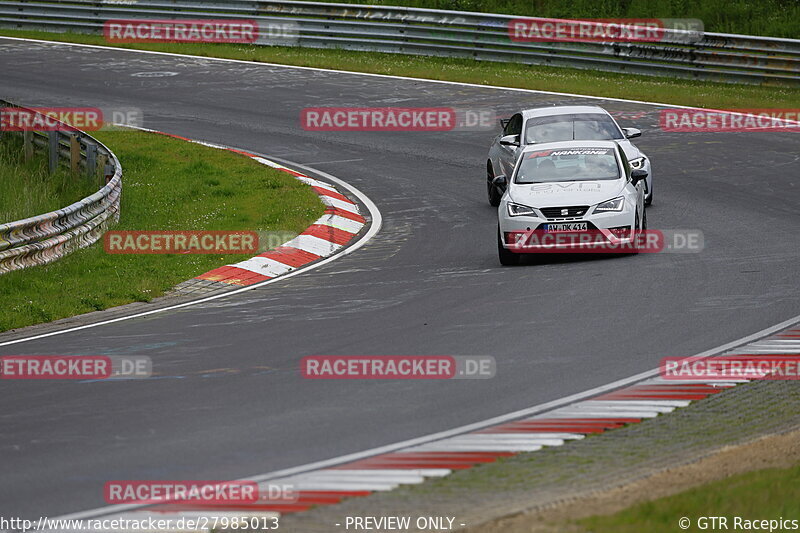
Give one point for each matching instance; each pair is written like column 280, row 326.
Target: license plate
column 565, row 227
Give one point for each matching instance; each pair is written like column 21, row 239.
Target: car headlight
column 517, row 210
column 610, row 205
column 637, row 163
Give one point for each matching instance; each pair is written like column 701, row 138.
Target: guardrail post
column 27, row 144
column 108, row 171
column 52, row 136
column 75, row 153
column 91, row 159
column 102, row 160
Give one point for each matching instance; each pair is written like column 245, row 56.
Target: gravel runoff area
column 589, row 468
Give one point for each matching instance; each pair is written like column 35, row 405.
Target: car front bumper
column 604, row 231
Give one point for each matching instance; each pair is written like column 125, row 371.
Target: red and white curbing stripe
column 412, row 465
column 332, row 231
column 341, row 222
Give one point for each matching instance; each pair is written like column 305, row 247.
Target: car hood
column 566, row 192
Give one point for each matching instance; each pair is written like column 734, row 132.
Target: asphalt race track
column 428, row 284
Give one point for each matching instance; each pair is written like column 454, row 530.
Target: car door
column 508, row 153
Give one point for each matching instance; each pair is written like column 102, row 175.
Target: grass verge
column 772, row 493
column 168, row 184
column 28, row 187
column 613, row 85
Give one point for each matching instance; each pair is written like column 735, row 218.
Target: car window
column 514, row 126
column 575, row 126
column 573, row 164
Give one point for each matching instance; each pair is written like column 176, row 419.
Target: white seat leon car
column 569, row 187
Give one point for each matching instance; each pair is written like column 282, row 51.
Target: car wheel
column 639, row 225
column 507, row 257
column 494, row 194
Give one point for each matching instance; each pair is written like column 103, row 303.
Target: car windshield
column 573, row 164
column 577, row 127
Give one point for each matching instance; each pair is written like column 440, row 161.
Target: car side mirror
column 500, row 182
column 638, row 175
column 631, row 133
column 504, row 122
column 509, row 140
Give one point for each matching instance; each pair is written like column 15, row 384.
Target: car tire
column 507, row 257
column 639, row 226
column 494, row 194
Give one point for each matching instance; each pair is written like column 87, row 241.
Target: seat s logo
column 565, row 211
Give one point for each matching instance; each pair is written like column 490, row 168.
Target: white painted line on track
column 503, row 438
column 388, row 476
column 477, row 447
column 536, row 435
column 265, row 266
column 766, row 350
column 312, row 244
column 339, row 204
column 397, row 479
column 342, row 223
column 313, row 182
column 576, row 412
column 635, row 404
column 723, row 382
column 424, row 472
column 330, row 485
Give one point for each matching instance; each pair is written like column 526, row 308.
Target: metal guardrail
column 712, row 56
column 45, row 238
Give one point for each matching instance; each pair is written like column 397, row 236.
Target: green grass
column 656, row 89
column 778, row 18
column 763, row 494
column 168, row 184
column 28, row 187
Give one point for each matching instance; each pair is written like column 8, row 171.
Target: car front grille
column 565, row 212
